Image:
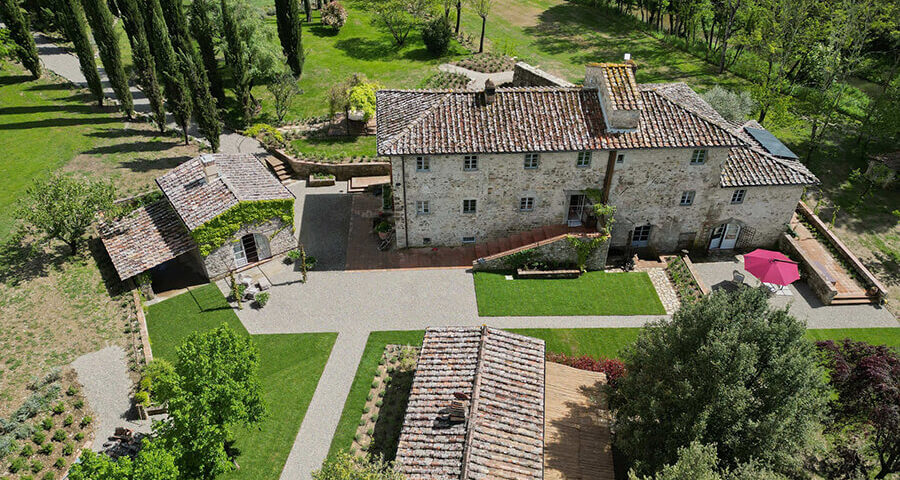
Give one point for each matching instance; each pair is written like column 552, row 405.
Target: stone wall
column 341, row 171
column 525, row 75
column 816, row 280
column 280, row 236
column 646, row 189
column 558, row 251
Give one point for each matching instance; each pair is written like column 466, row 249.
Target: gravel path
column 107, row 388
column 477, row 79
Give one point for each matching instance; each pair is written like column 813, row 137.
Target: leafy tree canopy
column 350, row 467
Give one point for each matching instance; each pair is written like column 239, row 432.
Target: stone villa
column 219, row 213
column 469, row 167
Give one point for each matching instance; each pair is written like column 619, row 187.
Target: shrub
column 362, row 97
column 334, row 15
column 79, row 404
column 79, row 436
column 266, row 134
column 27, row 450
column 86, row 420
column 437, row 35
column 17, row 465
column 72, row 390
column 46, row 448
column 7, row 445
column 612, row 367
column 47, row 423
column 310, row 262
column 69, row 420
column 51, row 475
column 60, row 463
column 142, row 398
column 295, row 254
column 68, row 448
column 262, row 298
column 38, row 438
column 36, row 466
column 735, row 107
column 24, row 430
column 59, row 435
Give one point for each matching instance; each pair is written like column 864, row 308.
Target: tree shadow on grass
column 14, row 79
column 132, row 147
column 367, row 49
column 23, row 259
column 324, row 31
column 57, row 122
column 390, row 416
column 131, row 132
column 150, row 165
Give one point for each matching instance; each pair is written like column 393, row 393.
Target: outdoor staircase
column 279, row 168
column 851, row 299
column 525, row 240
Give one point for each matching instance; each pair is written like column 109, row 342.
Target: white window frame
column 532, row 161
column 474, row 204
column 423, row 207
column 526, row 204
column 738, row 196
column 687, row 198
column 620, row 158
column 468, row 240
column 584, row 159
column 423, row 164
column 470, row 163
column 698, row 157
column 641, row 234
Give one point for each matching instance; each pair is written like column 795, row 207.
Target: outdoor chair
column 737, row 278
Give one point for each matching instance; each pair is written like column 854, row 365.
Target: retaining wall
column 552, row 250
column 341, row 171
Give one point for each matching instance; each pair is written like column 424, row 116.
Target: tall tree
column 287, row 13
column 205, row 31
column 101, row 21
column 483, row 9
column 458, row 15
column 248, row 51
column 237, row 57
column 398, row 17
column 189, row 61
column 17, row 24
column 727, row 370
column 177, row 93
column 143, row 59
column 307, row 8
column 70, row 15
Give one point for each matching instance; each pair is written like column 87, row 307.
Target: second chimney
column 210, row 169
column 490, row 92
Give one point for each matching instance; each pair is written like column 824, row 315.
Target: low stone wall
column 341, row 171
column 553, row 250
column 870, row 281
column 816, row 280
column 525, row 75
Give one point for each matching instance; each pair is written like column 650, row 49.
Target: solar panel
column 771, row 143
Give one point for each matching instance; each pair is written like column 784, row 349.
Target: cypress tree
column 143, row 59
column 287, row 14
column 101, row 21
column 205, row 33
column 204, row 104
column 70, row 16
column 176, row 90
column 237, row 59
column 20, row 33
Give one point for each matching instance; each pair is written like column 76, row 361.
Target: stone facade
column 557, row 252
column 280, row 237
column 646, row 188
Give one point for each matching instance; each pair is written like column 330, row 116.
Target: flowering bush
column 612, row 367
column 334, row 15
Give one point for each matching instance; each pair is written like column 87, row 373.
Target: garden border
column 341, row 171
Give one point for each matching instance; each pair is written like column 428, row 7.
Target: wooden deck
column 577, row 444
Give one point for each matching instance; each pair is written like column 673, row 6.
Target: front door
column 575, row 215
column 725, row 236
column 245, row 251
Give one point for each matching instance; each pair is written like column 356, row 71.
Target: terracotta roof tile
column 623, row 90
column 240, row 178
column 145, row 238
column 503, row 374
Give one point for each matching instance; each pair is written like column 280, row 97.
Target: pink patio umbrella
column 771, row 267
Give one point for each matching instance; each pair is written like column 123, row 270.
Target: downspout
column 607, row 179
column 405, row 206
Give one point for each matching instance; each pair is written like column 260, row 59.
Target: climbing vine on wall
column 604, row 212
column 216, row 232
column 584, row 247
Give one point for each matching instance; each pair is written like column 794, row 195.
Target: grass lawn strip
column 596, row 342
column 593, row 293
column 290, row 367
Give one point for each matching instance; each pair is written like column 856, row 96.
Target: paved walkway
column 107, row 387
column 477, row 79
column 59, row 61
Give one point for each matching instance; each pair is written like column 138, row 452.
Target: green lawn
column 596, row 342
column 594, row 293
column 335, row 148
column 43, row 124
column 290, row 367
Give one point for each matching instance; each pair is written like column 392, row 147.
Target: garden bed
column 45, row 435
column 320, row 180
column 446, row 80
column 570, row 273
column 686, row 286
column 378, row 431
column 487, row 63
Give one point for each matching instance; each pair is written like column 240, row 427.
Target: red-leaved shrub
column 612, row 367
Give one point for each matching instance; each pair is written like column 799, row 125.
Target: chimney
column 210, row 169
column 619, row 95
column 490, row 91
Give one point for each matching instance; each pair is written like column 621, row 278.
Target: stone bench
column 574, row 273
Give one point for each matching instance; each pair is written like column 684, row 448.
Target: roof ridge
column 473, row 406
column 408, row 126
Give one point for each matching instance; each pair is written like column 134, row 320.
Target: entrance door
column 575, row 215
column 640, row 237
column 250, row 249
column 240, row 256
column 725, row 236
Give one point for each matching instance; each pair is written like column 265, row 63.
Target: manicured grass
column 290, row 367
column 594, row 293
column 596, row 342
column 875, row 336
column 336, row 148
column 356, row 398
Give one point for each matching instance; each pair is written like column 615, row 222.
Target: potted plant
column 383, row 229
column 293, row 256
column 310, row 262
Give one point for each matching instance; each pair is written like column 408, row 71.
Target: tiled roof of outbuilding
column 530, row 119
column 240, row 178
column 502, row 374
column 145, row 238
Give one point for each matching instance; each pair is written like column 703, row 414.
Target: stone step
column 851, row 301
